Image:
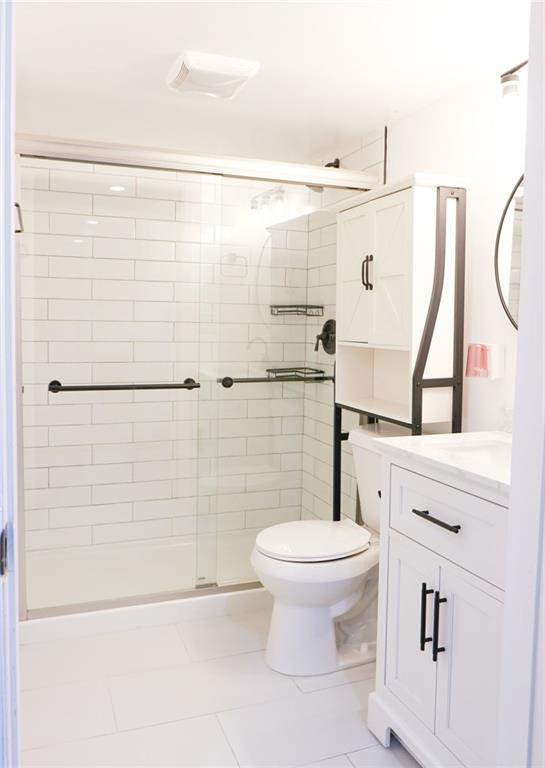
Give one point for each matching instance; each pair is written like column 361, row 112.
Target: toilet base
column 302, row 642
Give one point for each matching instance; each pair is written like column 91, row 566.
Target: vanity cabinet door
column 390, row 270
column 410, row 672
column 356, row 243
column 468, row 670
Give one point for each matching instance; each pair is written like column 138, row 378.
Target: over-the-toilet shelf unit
column 400, row 307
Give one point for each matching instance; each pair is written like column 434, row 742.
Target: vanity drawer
column 465, row 529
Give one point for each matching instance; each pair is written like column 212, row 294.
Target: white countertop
column 483, row 458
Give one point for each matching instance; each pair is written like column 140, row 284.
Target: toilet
column 323, row 576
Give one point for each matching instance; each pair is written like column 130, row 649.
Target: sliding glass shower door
column 135, row 281
column 110, row 305
column 252, row 351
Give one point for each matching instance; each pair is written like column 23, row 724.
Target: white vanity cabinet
column 443, row 539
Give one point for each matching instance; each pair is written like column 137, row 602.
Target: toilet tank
column 367, row 460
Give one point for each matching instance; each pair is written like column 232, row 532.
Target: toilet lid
column 313, row 540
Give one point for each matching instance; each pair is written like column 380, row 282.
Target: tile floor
column 192, row 694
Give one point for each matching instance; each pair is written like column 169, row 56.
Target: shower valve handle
column 327, row 337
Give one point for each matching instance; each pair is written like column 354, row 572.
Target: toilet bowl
column 323, row 576
column 317, row 572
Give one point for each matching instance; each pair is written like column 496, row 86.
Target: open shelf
column 378, row 381
column 388, row 411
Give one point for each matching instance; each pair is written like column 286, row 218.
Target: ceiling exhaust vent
column 218, row 76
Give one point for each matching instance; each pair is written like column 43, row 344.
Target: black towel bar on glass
column 278, row 374
column 56, row 386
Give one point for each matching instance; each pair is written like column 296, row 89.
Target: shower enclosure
column 174, row 403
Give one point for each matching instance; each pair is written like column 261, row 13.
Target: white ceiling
column 329, row 71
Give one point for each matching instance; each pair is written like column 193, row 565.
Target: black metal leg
column 459, row 293
column 337, row 446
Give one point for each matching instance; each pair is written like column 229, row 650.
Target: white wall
column 476, row 135
column 522, row 736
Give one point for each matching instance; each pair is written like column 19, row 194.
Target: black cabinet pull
column 437, row 600
column 20, row 228
column 423, row 605
column 425, row 515
column 364, row 273
column 369, row 283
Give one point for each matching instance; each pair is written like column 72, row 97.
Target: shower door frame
column 120, row 155
column 172, row 160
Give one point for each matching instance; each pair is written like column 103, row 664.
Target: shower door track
column 236, row 167
column 138, row 600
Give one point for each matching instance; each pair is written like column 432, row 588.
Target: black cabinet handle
column 425, row 515
column 437, row 600
column 364, row 273
column 21, row 227
column 369, row 283
column 423, row 605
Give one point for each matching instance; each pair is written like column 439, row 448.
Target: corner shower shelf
column 306, row 310
column 298, row 372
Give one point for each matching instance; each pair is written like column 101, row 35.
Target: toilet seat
column 313, row 541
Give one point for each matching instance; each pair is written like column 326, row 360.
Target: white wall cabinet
column 440, row 612
column 356, row 242
column 386, row 261
column 374, row 240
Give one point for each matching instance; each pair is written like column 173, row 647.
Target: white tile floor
column 196, row 693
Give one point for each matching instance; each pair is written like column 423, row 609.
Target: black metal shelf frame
column 419, row 383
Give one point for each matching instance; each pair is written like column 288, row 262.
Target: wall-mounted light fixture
column 510, row 80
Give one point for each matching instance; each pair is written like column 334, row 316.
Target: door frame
column 9, row 406
column 521, row 741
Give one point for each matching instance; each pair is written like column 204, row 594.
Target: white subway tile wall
column 318, row 404
column 364, row 154
column 171, row 276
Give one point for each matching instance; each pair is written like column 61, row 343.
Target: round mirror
column 507, row 254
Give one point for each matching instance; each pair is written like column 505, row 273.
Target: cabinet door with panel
column 468, row 670
column 356, row 244
column 390, row 270
column 413, row 577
